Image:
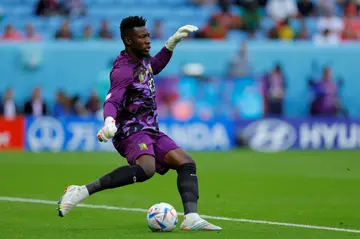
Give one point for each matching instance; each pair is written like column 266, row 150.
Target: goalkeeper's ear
column 127, row 41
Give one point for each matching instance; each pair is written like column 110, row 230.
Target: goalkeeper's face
column 140, row 41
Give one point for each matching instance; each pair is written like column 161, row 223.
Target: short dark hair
column 131, row 22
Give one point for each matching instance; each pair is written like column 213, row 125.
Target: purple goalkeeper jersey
column 131, row 98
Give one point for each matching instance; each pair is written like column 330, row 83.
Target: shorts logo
column 143, row 146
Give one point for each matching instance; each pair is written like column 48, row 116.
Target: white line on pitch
column 38, row 201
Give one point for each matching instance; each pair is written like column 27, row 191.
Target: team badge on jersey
column 143, row 146
column 141, row 77
column 150, row 69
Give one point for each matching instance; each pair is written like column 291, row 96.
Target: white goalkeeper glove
column 108, row 131
column 179, row 35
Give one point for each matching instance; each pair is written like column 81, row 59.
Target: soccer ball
column 162, row 217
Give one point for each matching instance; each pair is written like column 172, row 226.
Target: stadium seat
column 237, row 35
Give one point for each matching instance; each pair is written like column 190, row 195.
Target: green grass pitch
column 312, row 188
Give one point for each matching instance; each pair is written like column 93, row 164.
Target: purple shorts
column 143, row 142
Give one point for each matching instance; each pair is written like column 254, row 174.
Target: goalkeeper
column 131, row 121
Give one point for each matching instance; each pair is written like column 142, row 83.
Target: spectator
column 74, row 8
column 273, row 34
column 226, row 19
column 285, row 31
column 325, row 6
column 326, row 38
column 239, row 65
column 64, row 31
column 251, row 17
column 351, row 9
column 87, row 33
column 224, row 4
column 213, row 30
column 30, row 33
column 36, row 106
column 351, row 29
column 351, row 25
column 330, row 22
column 77, row 107
column 104, row 32
column 157, row 31
column 61, row 106
column 279, row 10
column 330, row 28
column 274, row 86
column 48, row 8
column 326, row 101
column 8, row 108
column 306, row 8
column 11, row 34
column 93, row 103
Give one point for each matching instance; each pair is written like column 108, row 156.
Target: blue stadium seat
column 237, row 35
column 266, row 24
column 33, row 2
column 295, row 24
column 174, row 2
column 54, row 23
column 99, row 4
column 151, row 3
column 311, row 25
column 173, row 13
column 126, row 3
column 10, row 2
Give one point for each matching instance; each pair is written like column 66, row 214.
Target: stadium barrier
column 12, row 133
column 79, row 134
column 263, row 135
column 274, row 135
column 79, row 66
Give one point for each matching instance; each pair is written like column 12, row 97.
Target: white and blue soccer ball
column 162, row 217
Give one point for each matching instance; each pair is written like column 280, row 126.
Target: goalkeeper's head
column 135, row 36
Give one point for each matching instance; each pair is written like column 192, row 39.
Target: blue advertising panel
column 274, row 135
column 79, row 134
column 64, row 134
column 196, row 135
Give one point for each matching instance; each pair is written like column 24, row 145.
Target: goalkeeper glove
column 108, row 131
column 179, row 35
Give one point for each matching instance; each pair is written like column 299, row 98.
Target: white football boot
column 73, row 195
column 193, row 222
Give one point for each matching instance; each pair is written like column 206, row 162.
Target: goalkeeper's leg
column 187, row 183
column 143, row 170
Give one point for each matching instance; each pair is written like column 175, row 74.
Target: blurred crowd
column 63, row 33
column 36, row 105
column 194, row 94
column 335, row 21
